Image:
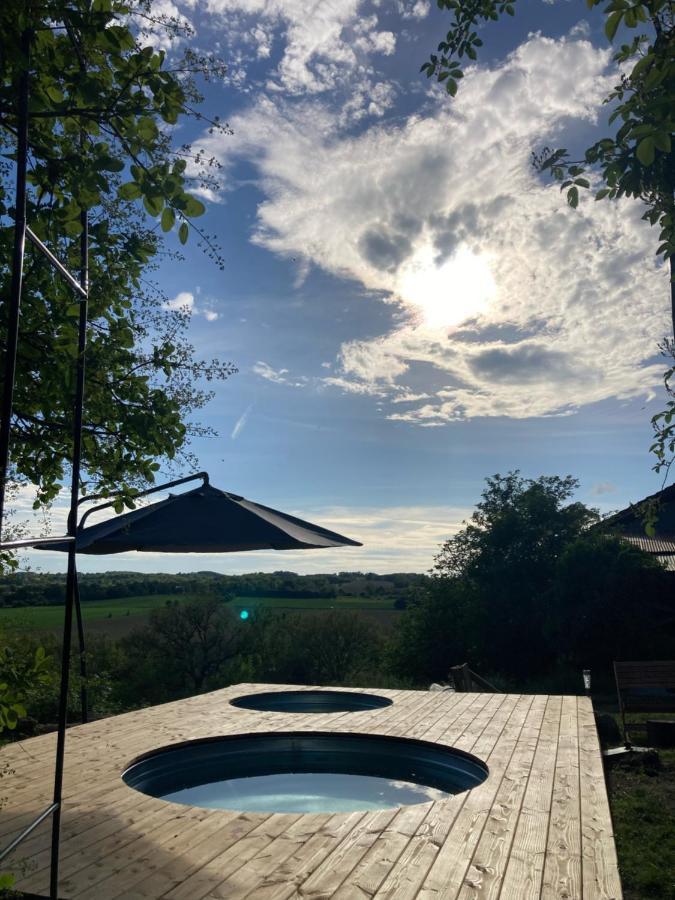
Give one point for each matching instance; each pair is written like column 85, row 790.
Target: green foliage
column 314, row 647
column 184, row 650
column 101, row 106
column 19, row 675
column 525, row 591
column 608, row 601
column 663, row 423
column 31, row 589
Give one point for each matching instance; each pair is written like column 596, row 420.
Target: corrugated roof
column 660, row 545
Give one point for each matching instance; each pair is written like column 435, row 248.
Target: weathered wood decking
column 538, row 827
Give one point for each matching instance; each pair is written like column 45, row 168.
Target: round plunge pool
column 305, row 772
column 310, row 701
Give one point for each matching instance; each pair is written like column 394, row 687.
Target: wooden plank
column 208, row 877
column 599, row 864
column 374, row 866
column 525, row 867
column 562, row 868
column 446, row 875
column 406, row 877
column 490, row 858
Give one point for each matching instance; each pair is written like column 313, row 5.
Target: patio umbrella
column 203, row 520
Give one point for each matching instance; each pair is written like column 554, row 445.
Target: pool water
column 305, row 771
column 306, row 792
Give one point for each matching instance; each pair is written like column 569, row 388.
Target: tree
column 609, row 601
column 312, row 647
column 102, row 108
column 19, row 675
column 637, row 160
column 436, row 631
column 488, row 601
column 186, row 645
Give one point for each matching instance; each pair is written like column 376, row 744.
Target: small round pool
column 310, row 701
column 303, row 772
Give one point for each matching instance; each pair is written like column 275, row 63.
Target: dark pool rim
column 316, row 701
column 425, row 763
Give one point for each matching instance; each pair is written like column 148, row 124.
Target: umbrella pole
column 72, row 586
column 84, row 704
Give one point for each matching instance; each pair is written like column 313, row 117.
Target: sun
column 447, row 295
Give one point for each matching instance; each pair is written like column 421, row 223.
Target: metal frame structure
column 72, row 599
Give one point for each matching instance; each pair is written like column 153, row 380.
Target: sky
column 410, row 306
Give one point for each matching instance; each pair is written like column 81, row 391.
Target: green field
column 129, row 612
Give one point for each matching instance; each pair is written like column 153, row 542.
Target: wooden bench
column 644, row 687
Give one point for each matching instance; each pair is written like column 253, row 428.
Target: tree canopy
column 102, row 108
column 526, row 588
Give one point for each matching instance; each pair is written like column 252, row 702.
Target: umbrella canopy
column 204, row 520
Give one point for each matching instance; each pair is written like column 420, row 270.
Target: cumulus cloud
column 323, row 45
column 184, row 302
column 518, row 305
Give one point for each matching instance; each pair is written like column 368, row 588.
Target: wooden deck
column 538, row 827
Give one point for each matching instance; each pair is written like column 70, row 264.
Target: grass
column 134, row 611
column 642, row 799
column 643, row 812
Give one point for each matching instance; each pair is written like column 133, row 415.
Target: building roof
column 630, row 523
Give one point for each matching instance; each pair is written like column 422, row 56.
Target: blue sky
column 410, row 308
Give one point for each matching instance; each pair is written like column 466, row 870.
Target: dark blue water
column 306, row 792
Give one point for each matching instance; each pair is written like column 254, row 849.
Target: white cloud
column 184, row 302
column 240, row 423
column 414, row 9
column 278, row 376
column 573, row 302
column 158, row 27
column 323, row 44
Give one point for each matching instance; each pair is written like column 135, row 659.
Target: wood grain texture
column 538, row 828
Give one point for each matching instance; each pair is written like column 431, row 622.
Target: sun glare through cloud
column 461, row 288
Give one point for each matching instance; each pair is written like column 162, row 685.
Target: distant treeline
column 33, row 589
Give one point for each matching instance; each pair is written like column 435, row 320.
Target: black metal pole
column 84, row 283
column 17, row 270
column 84, row 702
column 72, row 592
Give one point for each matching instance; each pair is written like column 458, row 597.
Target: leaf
column 183, row 233
column 662, row 141
column 612, row 24
column 573, row 197
column 451, row 87
column 645, row 151
column 72, row 228
column 129, row 191
column 194, row 207
column 168, row 218
column 602, row 194
column 153, row 204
